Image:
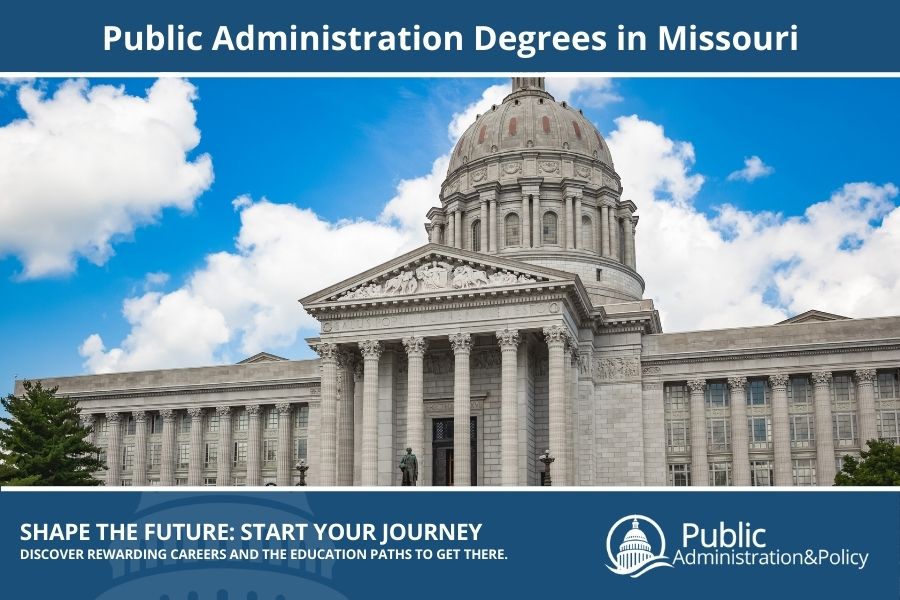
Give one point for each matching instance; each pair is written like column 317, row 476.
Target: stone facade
column 520, row 327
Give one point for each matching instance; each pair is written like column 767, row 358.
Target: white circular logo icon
column 635, row 555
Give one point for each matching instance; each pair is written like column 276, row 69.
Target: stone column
column 226, row 450
column 865, row 403
column 483, row 230
column 825, row 459
column 371, row 351
column 195, row 467
column 328, row 427
column 740, row 438
column 571, row 395
column 87, row 421
column 460, row 231
column 569, row 214
column 634, row 222
column 525, row 222
column 509, row 406
column 254, row 431
column 614, row 249
column 629, row 241
column 536, row 238
column 699, row 459
column 556, row 336
column 113, row 448
column 346, row 423
column 579, row 241
column 462, row 409
column 434, row 234
column 139, row 472
column 598, row 229
column 357, row 421
column 781, row 430
column 284, row 459
column 167, row 461
column 492, row 231
column 415, row 404
column 451, row 230
column 605, row 246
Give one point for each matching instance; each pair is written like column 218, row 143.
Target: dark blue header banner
column 232, row 545
column 460, row 36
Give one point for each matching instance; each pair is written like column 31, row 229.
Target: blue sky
column 341, row 147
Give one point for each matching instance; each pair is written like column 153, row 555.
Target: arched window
column 550, row 221
column 476, row 236
column 587, row 233
column 513, row 232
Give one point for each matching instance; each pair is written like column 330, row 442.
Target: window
column 716, row 394
column 240, row 454
column 102, row 427
column 676, row 396
column 272, row 418
column 476, row 235
column 804, row 470
column 153, row 456
column 239, row 481
column 720, row 474
column 803, row 431
column 513, row 231
column 889, row 425
column 842, row 388
column 102, row 456
column 300, row 449
column 130, row 425
column 211, row 454
column 302, row 416
column 269, row 451
column 677, row 435
column 184, row 455
column 125, row 483
column 241, row 421
column 760, row 432
column 761, row 473
column 679, row 475
column 799, row 391
column 127, row 457
column 844, row 428
column 717, row 435
column 587, row 233
column 887, row 386
column 184, row 423
column 156, row 423
column 209, row 481
column 181, row 481
column 153, row 482
column 757, row 393
column 212, row 422
column 549, row 229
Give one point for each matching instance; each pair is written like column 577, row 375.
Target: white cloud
column 754, row 168
column 735, row 268
column 89, row 164
column 585, row 92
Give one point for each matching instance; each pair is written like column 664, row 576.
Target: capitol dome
column 530, row 118
column 533, row 180
column 634, row 550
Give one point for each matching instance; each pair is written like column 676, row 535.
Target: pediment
column 437, row 270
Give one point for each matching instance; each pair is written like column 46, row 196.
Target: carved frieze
column 511, row 168
column 618, row 367
column 548, row 166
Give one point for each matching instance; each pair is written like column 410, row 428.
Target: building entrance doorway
column 442, row 451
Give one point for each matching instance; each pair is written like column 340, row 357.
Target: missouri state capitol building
column 521, row 326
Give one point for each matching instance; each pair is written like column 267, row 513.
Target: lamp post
column 303, row 468
column 547, row 460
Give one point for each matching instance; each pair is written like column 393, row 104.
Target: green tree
column 879, row 465
column 43, row 441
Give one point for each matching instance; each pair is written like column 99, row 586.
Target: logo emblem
column 635, row 556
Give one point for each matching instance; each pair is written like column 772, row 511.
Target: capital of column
column 556, row 335
column 508, row 339
column 326, row 351
column 87, row 420
column 865, row 376
column 223, row 411
column 113, row 417
column 461, row 343
column 284, row 408
column 696, row 385
column 253, row 410
column 737, row 384
column 371, row 348
column 415, row 345
column 195, row 412
column 167, row 414
column 139, row 416
column 346, row 359
column 821, row 378
column 778, row 381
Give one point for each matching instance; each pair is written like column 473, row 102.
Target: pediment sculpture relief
column 436, row 276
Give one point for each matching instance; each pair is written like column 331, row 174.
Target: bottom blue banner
column 288, row 545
